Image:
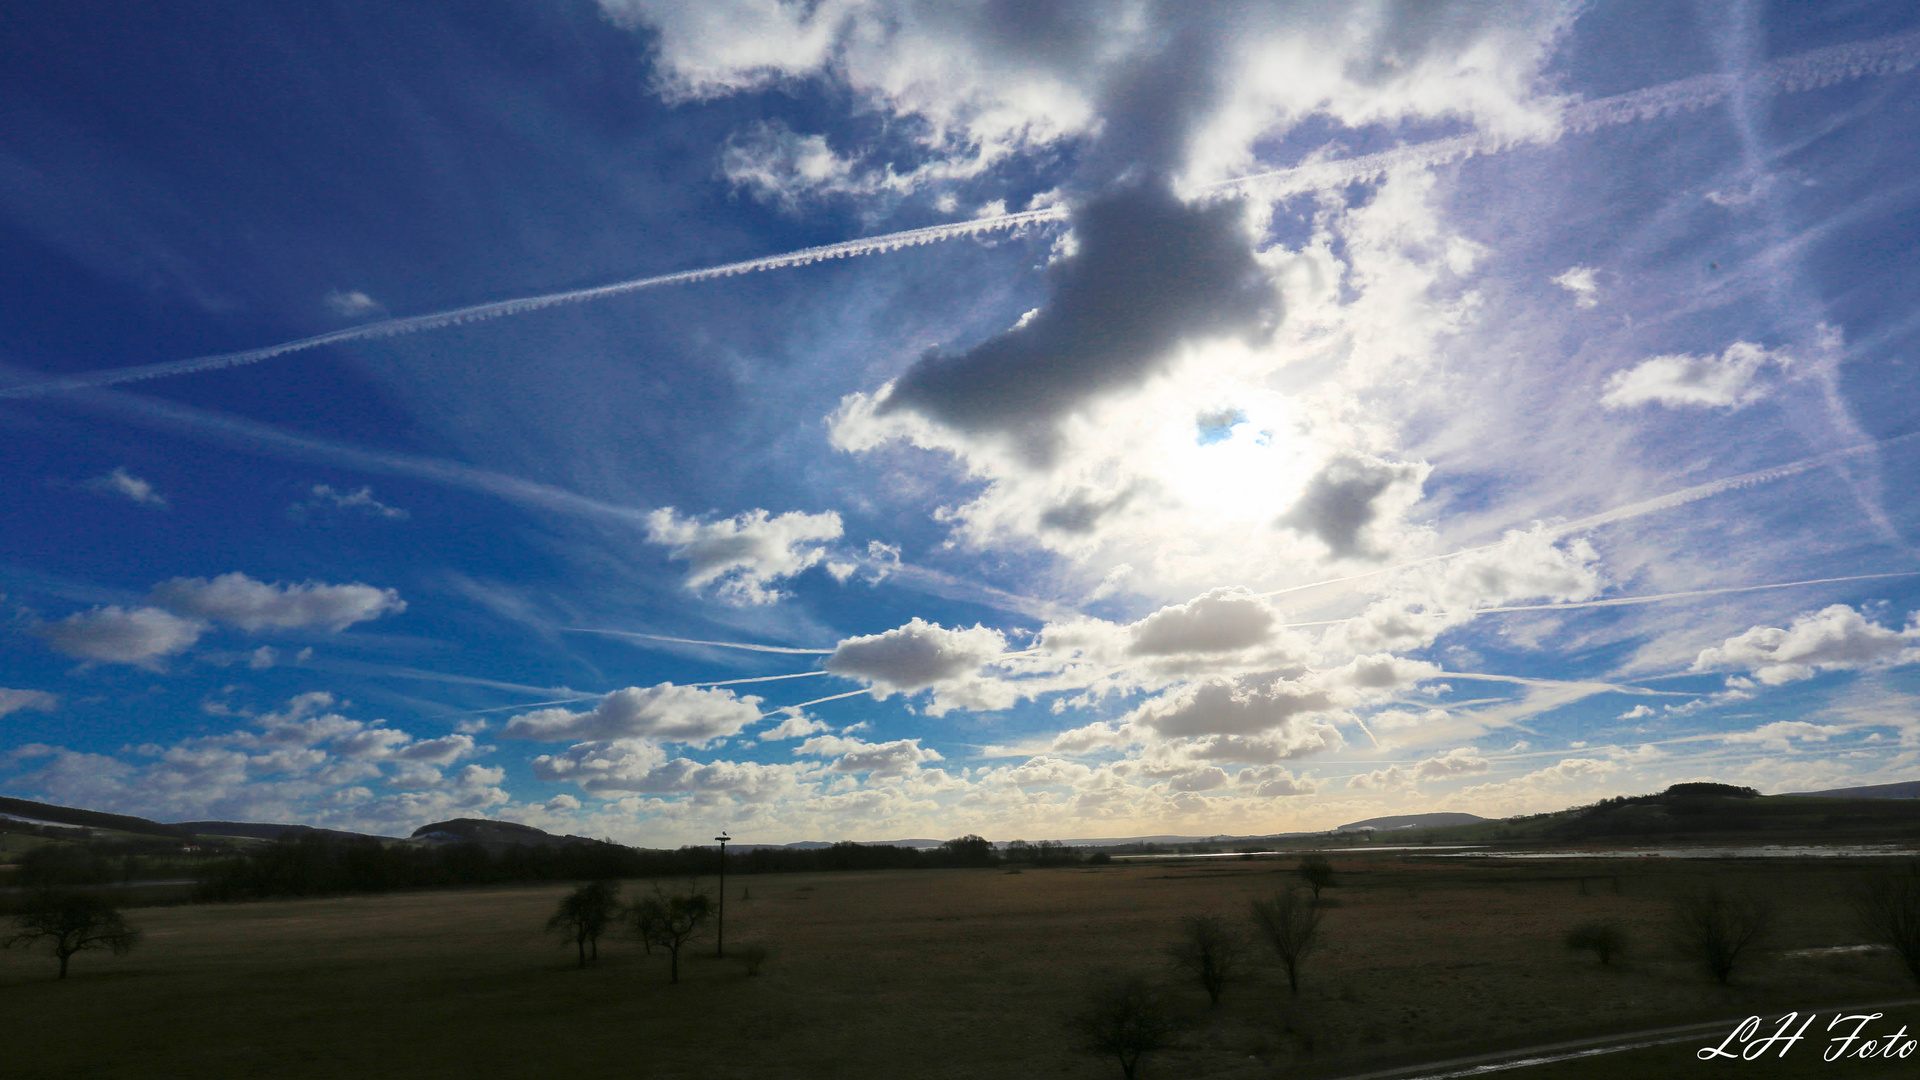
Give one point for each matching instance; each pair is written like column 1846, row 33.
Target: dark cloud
column 1150, row 273
column 1341, row 501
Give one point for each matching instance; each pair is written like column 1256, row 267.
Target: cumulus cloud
column 921, row 656
column 1579, row 281
column 896, row 758
column 1348, row 494
column 1732, row 380
column 12, row 701
column 1638, row 712
column 1244, row 707
column 1391, row 778
column 128, row 486
column 1460, row 761
column 118, row 635
column 1221, row 620
column 970, row 85
column 794, row 726
column 639, row 766
column 241, row 601
column 745, row 555
column 1775, row 736
column 323, row 498
column 1274, row 782
column 666, row 712
column 1835, row 638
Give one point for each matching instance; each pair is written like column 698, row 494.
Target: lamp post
column 720, row 921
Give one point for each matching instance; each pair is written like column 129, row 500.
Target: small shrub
column 1887, row 908
column 1125, row 1018
column 754, row 956
column 1290, row 923
column 1715, row 928
column 1317, row 872
column 1602, row 939
column 1099, row 858
column 1209, row 950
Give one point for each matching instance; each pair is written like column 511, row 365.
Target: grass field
column 936, row 973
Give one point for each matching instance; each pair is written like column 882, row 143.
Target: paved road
column 1710, row 1033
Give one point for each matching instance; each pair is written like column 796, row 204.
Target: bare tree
column 73, row 922
column 670, row 920
column 1888, row 910
column 584, row 915
column 1290, row 923
column 1715, row 928
column 1317, row 872
column 1209, row 950
column 1125, row 1018
column 1602, row 939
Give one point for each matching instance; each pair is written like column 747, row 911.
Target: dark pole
column 720, row 927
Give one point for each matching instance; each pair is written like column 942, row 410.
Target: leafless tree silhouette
column 1289, row 922
column 1317, row 872
column 1715, row 928
column 1888, row 910
column 1125, row 1018
column 1602, row 939
column 584, row 914
column 1209, row 950
column 670, row 920
column 73, row 922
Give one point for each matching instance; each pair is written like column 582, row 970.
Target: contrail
column 817, row 701
column 1807, row 71
column 1616, row 601
column 1654, row 598
column 693, row 641
column 1622, row 513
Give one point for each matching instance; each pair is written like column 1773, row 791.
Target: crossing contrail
column 1631, row 510
column 1807, row 71
column 693, row 641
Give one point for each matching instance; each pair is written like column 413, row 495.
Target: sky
column 868, row 419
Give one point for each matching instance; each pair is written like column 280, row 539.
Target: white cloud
column 118, row 635
column 744, row 555
column 1579, row 281
column 1460, row 761
column 256, row 605
column 1775, row 736
column 1391, row 778
column 1835, row 638
column 123, row 483
column 352, row 304
column 1221, row 620
column 1275, row 782
column 1638, row 712
column 12, row 701
column 794, row 726
column 323, row 497
column 666, row 712
column 922, row 656
column 896, row 758
column 971, row 85
column 1731, row 380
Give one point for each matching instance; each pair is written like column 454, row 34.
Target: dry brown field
column 947, row 973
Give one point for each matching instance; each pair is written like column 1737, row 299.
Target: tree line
column 316, row 865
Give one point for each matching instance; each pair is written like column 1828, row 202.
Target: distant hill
column 1907, row 790
column 260, row 830
column 490, row 834
column 1414, row 821
column 90, row 819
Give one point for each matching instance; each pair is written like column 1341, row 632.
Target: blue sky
column 1280, row 417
